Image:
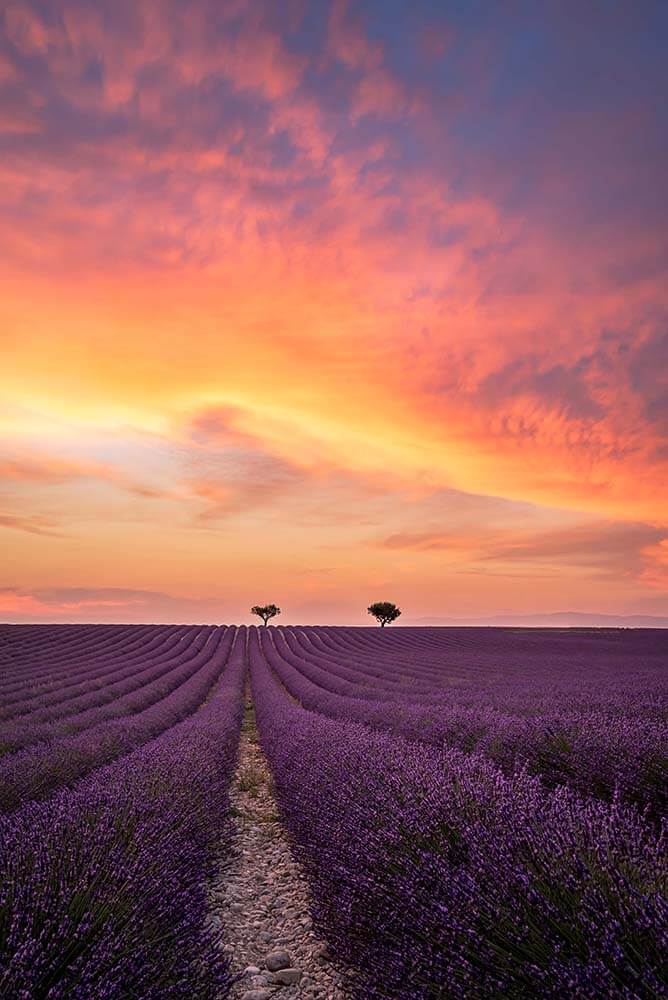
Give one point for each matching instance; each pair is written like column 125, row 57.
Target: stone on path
column 276, row 960
column 286, row 977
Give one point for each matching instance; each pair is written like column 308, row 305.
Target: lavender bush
column 100, row 668
column 437, row 876
column 103, row 886
column 115, row 694
column 48, row 656
column 479, row 813
column 597, row 752
column 35, row 772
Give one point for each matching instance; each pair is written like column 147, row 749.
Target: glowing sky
column 325, row 303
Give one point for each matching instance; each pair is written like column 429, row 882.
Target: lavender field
column 476, row 812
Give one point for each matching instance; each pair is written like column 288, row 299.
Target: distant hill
column 559, row 619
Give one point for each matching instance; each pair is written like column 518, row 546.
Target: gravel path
column 260, row 905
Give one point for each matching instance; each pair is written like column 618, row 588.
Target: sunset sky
column 325, row 303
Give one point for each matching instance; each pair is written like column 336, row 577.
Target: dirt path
column 261, row 901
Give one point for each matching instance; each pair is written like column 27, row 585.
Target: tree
column 384, row 611
column 265, row 611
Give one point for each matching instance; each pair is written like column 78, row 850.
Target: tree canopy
column 265, row 611
column 384, row 612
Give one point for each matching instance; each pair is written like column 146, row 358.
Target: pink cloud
column 25, row 29
column 52, row 471
column 655, row 572
column 105, row 604
column 376, row 90
column 608, row 549
column 34, row 524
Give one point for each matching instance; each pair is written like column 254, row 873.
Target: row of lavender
column 518, row 670
column 103, row 883
column 601, row 752
column 42, row 655
column 434, row 874
column 97, row 737
column 42, row 677
column 121, row 683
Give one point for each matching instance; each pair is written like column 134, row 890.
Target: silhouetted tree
column 265, row 611
column 384, row 611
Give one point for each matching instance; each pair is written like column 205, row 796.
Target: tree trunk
column 382, row 624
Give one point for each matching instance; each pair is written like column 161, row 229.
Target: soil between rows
column 260, row 902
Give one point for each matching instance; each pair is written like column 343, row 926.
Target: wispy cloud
column 619, row 550
column 105, row 604
column 33, row 524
